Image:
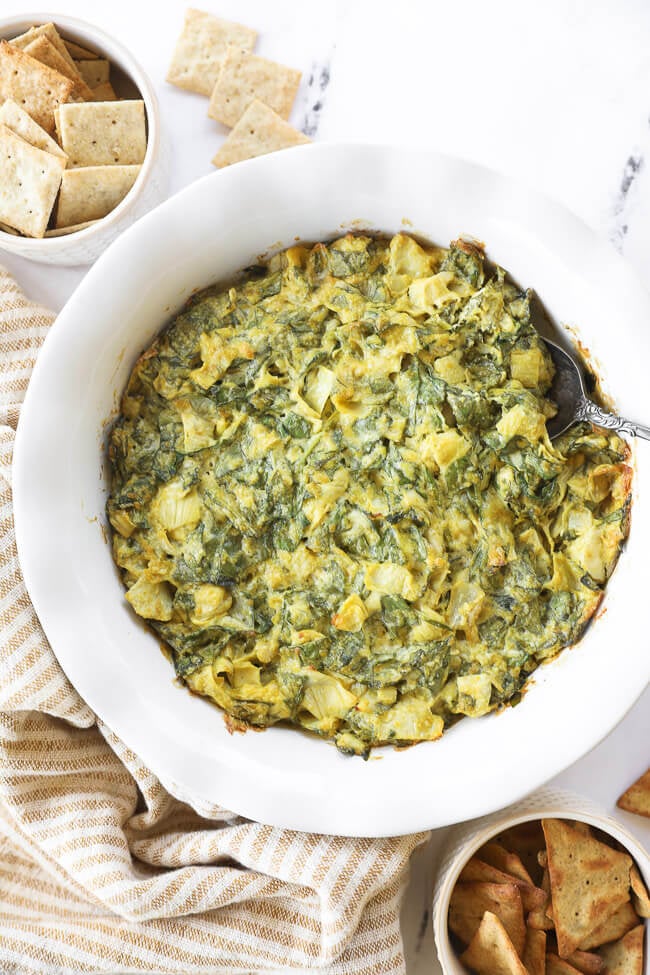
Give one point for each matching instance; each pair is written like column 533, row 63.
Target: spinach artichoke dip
column 335, row 499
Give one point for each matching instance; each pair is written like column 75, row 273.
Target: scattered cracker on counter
column 636, row 799
column 250, row 94
column 259, row 130
column 245, row 78
column 71, row 150
column 202, row 47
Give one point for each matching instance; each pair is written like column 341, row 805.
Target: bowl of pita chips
column 80, row 151
column 551, row 886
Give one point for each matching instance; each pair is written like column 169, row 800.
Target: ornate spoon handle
column 591, row 412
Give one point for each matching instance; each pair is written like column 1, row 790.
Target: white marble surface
column 557, row 93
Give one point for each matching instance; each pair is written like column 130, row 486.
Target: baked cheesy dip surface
column 335, row 499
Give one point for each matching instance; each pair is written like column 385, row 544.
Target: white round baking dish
column 203, row 235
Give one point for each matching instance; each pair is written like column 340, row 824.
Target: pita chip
column 586, row 962
column 534, row 952
column 636, row 799
column 625, row 957
column 640, row 896
column 538, row 918
column 589, row 881
column 475, row 869
column 501, row 858
column 491, row 952
column 613, row 928
column 558, row 966
column 469, row 902
column 525, row 839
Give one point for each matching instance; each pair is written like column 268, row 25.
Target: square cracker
column 75, row 228
column 78, row 52
column 103, row 133
column 44, row 51
column 245, row 77
column 259, row 130
column 95, row 72
column 90, row 193
column 202, row 47
column 44, row 30
column 50, row 32
column 32, row 85
column 23, row 125
column 29, row 182
column 104, row 93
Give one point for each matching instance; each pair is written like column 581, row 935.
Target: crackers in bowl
column 70, row 150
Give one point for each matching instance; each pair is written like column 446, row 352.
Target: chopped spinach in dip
column 335, row 499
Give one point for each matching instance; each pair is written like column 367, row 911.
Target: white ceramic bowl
column 203, row 235
column 465, row 840
column 149, row 189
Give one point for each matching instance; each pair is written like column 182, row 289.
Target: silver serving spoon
column 573, row 405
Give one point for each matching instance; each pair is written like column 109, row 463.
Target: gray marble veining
column 315, row 93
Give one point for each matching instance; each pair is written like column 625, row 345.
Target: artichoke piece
column 411, row 719
column 210, row 603
column 350, row 615
column 327, row 700
column 151, row 600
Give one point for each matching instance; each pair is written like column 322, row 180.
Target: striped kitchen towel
column 101, row 869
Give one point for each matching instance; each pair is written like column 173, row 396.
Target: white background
column 555, row 92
